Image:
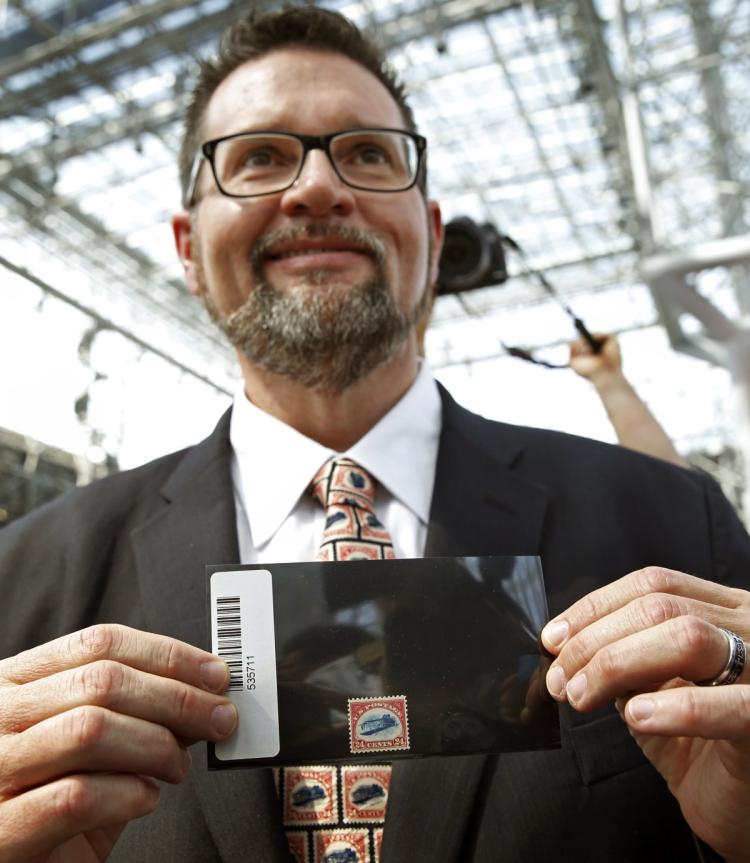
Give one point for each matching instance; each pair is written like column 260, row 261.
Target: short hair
column 255, row 35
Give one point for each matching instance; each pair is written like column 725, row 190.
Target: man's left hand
column 644, row 642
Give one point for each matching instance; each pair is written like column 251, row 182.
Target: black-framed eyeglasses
column 250, row 164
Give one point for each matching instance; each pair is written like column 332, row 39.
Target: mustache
column 369, row 241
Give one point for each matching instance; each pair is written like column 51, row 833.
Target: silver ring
column 735, row 662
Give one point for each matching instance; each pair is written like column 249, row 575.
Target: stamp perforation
column 386, row 731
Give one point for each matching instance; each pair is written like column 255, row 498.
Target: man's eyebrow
column 343, row 126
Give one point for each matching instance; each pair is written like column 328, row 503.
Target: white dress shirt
column 273, row 464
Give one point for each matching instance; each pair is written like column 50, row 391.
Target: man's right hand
column 606, row 364
column 88, row 722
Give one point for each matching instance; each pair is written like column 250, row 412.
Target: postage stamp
column 365, row 792
column 378, row 724
column 342, row 846
column 298, row 846
column 310, row 795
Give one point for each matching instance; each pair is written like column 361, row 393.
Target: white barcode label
column 242, row 633
column 229, row 638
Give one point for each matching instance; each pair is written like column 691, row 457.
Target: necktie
column 335, row 813
column 352, row 530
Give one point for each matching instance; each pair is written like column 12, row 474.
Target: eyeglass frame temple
column 309, row 142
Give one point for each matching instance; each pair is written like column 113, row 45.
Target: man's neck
column 336, row 420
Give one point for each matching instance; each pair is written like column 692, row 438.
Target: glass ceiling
column 593, row 132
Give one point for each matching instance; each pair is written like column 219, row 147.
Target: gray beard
column 326, row 339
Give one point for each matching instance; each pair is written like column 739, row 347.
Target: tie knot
column 343, row 481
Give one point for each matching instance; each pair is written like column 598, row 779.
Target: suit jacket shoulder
column 74, row 561
column 593, row 511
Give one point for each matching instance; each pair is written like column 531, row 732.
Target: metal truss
column 599, row 134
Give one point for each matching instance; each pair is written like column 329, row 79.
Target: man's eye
column 372, row 156
column 259, row 158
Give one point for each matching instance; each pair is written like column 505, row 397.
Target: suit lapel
column 480, row 506
column 480, row 503
column 196, row 526
column 429, row 805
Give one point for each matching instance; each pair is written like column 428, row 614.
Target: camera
column 472, row 257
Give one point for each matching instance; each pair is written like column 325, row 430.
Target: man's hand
column 636, row 427
column 606, row 363
column 87, row 723
column 643, row 642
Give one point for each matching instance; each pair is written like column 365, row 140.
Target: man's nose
column 318, row 190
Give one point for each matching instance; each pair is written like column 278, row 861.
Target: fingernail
column 576, row 687
column 224, row 719
column 556, row 680
column 556, row 632
column 214, row 675
column 187, row 760
column 641, row 709
column 154, row 791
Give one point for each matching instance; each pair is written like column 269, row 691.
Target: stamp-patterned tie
column 332, row 813
column 352, row 530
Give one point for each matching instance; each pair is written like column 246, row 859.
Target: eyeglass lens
column 259, row 163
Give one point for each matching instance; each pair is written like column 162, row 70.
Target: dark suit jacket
column 132, row 548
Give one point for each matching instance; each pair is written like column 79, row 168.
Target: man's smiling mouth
column 306, row 249
column 333, row 245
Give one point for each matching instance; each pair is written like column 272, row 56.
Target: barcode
column 229, row 638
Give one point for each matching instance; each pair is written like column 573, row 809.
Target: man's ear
column 183, row 240
column 435, row 226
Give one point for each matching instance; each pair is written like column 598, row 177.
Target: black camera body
column 472, row 257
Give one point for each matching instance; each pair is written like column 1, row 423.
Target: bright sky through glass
column 515, row 110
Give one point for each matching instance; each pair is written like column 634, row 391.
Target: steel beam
column 108, row 324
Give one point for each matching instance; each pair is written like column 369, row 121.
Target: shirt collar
column 275, row 463
column 400, row 451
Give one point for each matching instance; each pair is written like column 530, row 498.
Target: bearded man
column 307, row 230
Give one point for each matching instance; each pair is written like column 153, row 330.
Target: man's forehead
column 296, row 84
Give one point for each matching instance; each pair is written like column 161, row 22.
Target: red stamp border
column 394, row 703
column 359, row 839
column 327, row 776
column 298, row 847
column 352, row 773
